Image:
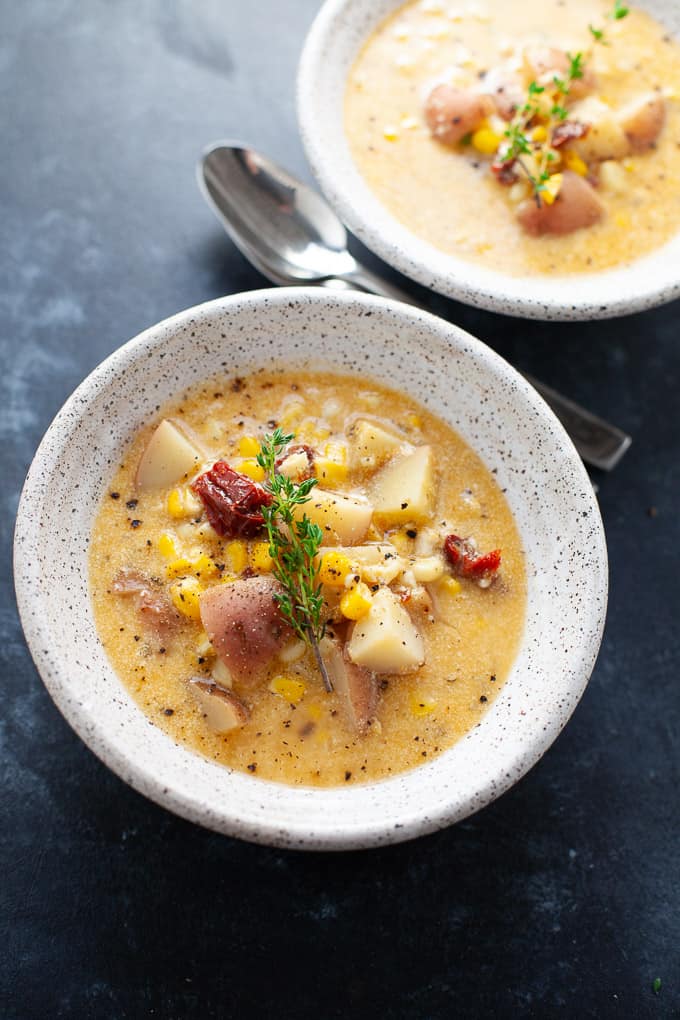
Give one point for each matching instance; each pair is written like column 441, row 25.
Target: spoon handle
column 599, row 444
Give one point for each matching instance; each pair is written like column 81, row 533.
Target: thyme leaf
column 294, row 543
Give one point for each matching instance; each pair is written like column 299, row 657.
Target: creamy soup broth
column 449, row 197
column 307, row 739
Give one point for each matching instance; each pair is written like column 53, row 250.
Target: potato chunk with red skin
column 153, row 605
column 452, row 113
column 505, row 91
column 245, row 625
column 358, row 687
column 577, row 205
column 222, row 709
column 543, row 63
column 643, row 120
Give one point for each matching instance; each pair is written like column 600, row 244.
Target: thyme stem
column 294, row 543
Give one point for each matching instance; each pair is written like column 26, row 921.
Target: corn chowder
column 532, row 138
column 411, row 550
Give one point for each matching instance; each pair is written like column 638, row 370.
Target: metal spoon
column 290, row 233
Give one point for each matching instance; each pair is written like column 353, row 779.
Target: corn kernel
column 622, row 220
column 204, row 645
column 421, row 705
column 175, row 503
column 414, row 421
column 573, row 161
column 356, row 602
column 259, row 558
column 179, row 567
column 204, row 566
column 167, row 546
column 334, row 568
column 486, row 141
column 551, row 188
column 540, row 133
column 251, row 469
column 238, row 555
column 200, row 565
column 184, row 595
column 248, row 446
column 452, row 585
column 329, row 472
column 182, row 503
column 390, row 133
column 289, row 688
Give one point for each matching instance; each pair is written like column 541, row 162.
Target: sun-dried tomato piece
column 232, row 502
column 467, row 562
column 567, row 131
column 505, row 170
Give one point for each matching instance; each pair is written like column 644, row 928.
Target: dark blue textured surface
column 560, row 900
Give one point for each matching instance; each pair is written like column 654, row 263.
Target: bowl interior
column 336, row 36
column 452, row 374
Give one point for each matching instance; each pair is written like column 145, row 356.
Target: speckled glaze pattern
column 338, row 32
column 455, row 376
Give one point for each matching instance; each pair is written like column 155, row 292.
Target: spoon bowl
column 287, row 230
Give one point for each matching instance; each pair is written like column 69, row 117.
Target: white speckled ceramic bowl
column 333, row 42
column 455, row 376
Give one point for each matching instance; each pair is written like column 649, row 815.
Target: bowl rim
column 584, row 296
column 114, row 752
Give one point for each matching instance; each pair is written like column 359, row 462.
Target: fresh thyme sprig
column 294, row 543
column 519, row 144
column 618, row 11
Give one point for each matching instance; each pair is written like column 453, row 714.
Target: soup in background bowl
column 431, row 366
column 522, row 159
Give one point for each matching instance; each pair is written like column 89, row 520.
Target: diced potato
column 642, row 120
column 222, row 709
column 170, row 456
column 404, row 490
column 221, row 675
column 372, row 445
column 445, row 594
column 356, row 686
column 342, row 519
column 613, row 177
column 295, row 466
column 293, row 651
column 428, row 569
column 386, row 639
column 606, row 138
